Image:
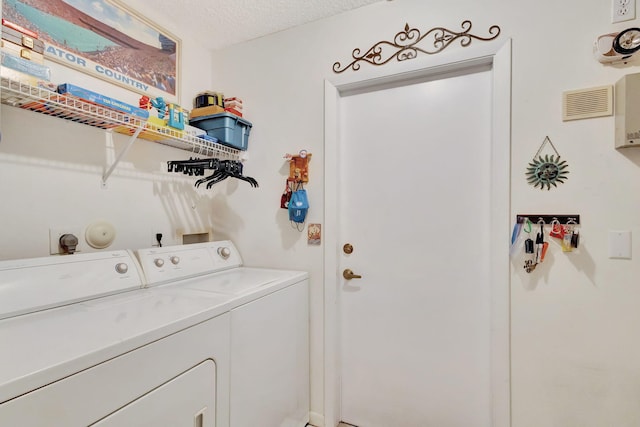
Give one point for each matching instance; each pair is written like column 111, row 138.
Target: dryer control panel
column 225, row 254
column 169, row 263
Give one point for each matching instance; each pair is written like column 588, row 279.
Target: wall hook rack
column 562, row 227
column 548, row 219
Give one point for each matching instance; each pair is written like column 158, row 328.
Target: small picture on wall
column 314, row 234
column 105, row 39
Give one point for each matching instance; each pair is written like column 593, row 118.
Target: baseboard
column 316, row 420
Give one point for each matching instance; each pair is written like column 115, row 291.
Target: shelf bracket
column 121, row 154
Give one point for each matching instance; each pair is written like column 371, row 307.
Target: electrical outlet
column 623, row 10
column 56, row 233
column 154, row 241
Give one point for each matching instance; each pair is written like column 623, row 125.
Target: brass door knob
column 348, row 274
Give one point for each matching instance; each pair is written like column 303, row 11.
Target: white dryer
column 269, row 327
column 83, row 343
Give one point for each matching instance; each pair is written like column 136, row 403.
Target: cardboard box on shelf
column 21, row 70
column 18, row 28
column 234, row 103
column 99, row 99
column 205, row 111
column 234, row 111
column 22, row 52
column 193, row 131
column 155, row 129
column 21, row 39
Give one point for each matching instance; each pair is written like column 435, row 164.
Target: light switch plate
column 620, row 244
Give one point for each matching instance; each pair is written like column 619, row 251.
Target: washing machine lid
column 241, row 284
column 242, row 280
column 42, row 347
column 210, row 267
column 29, row 285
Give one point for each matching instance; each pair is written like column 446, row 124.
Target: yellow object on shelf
column 205, row 111
column 156, row 129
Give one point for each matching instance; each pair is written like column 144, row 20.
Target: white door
column 414, row 173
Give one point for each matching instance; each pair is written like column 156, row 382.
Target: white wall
column 575, row 319
column 51, row 172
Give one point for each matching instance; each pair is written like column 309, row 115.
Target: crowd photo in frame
column 105, row 39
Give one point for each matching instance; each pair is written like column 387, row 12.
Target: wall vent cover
column 587, row 103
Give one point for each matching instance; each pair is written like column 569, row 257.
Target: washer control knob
column 224, row 252
column 175, row 260
column 122, row 268
column 159, row 262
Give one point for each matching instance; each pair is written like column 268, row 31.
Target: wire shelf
column 44, row 101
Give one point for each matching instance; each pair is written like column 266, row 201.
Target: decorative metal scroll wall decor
column 405, row 45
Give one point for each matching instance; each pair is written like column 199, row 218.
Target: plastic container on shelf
column 228, row 128
column 208, row 138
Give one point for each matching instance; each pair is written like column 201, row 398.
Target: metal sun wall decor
column 405, row 45
column 548, row 170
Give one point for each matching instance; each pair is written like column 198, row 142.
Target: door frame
column 498, row 57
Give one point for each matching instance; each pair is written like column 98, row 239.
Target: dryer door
column 188, row 400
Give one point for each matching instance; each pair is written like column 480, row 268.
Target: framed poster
column 105, row 39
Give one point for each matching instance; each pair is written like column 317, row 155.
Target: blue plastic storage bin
column 230, row 129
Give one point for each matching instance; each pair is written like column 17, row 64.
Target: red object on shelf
column 19, row 28
column 233, row 111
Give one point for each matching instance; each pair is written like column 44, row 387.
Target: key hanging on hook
column 541, row 245
column 529, row 264
column 539, row 240
column 557, row 230
column 568, row 238
column 528, row 243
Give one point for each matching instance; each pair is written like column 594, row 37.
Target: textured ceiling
column 222, row 23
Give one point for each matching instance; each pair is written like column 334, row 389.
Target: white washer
column 269, row 327
column 84, row 344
